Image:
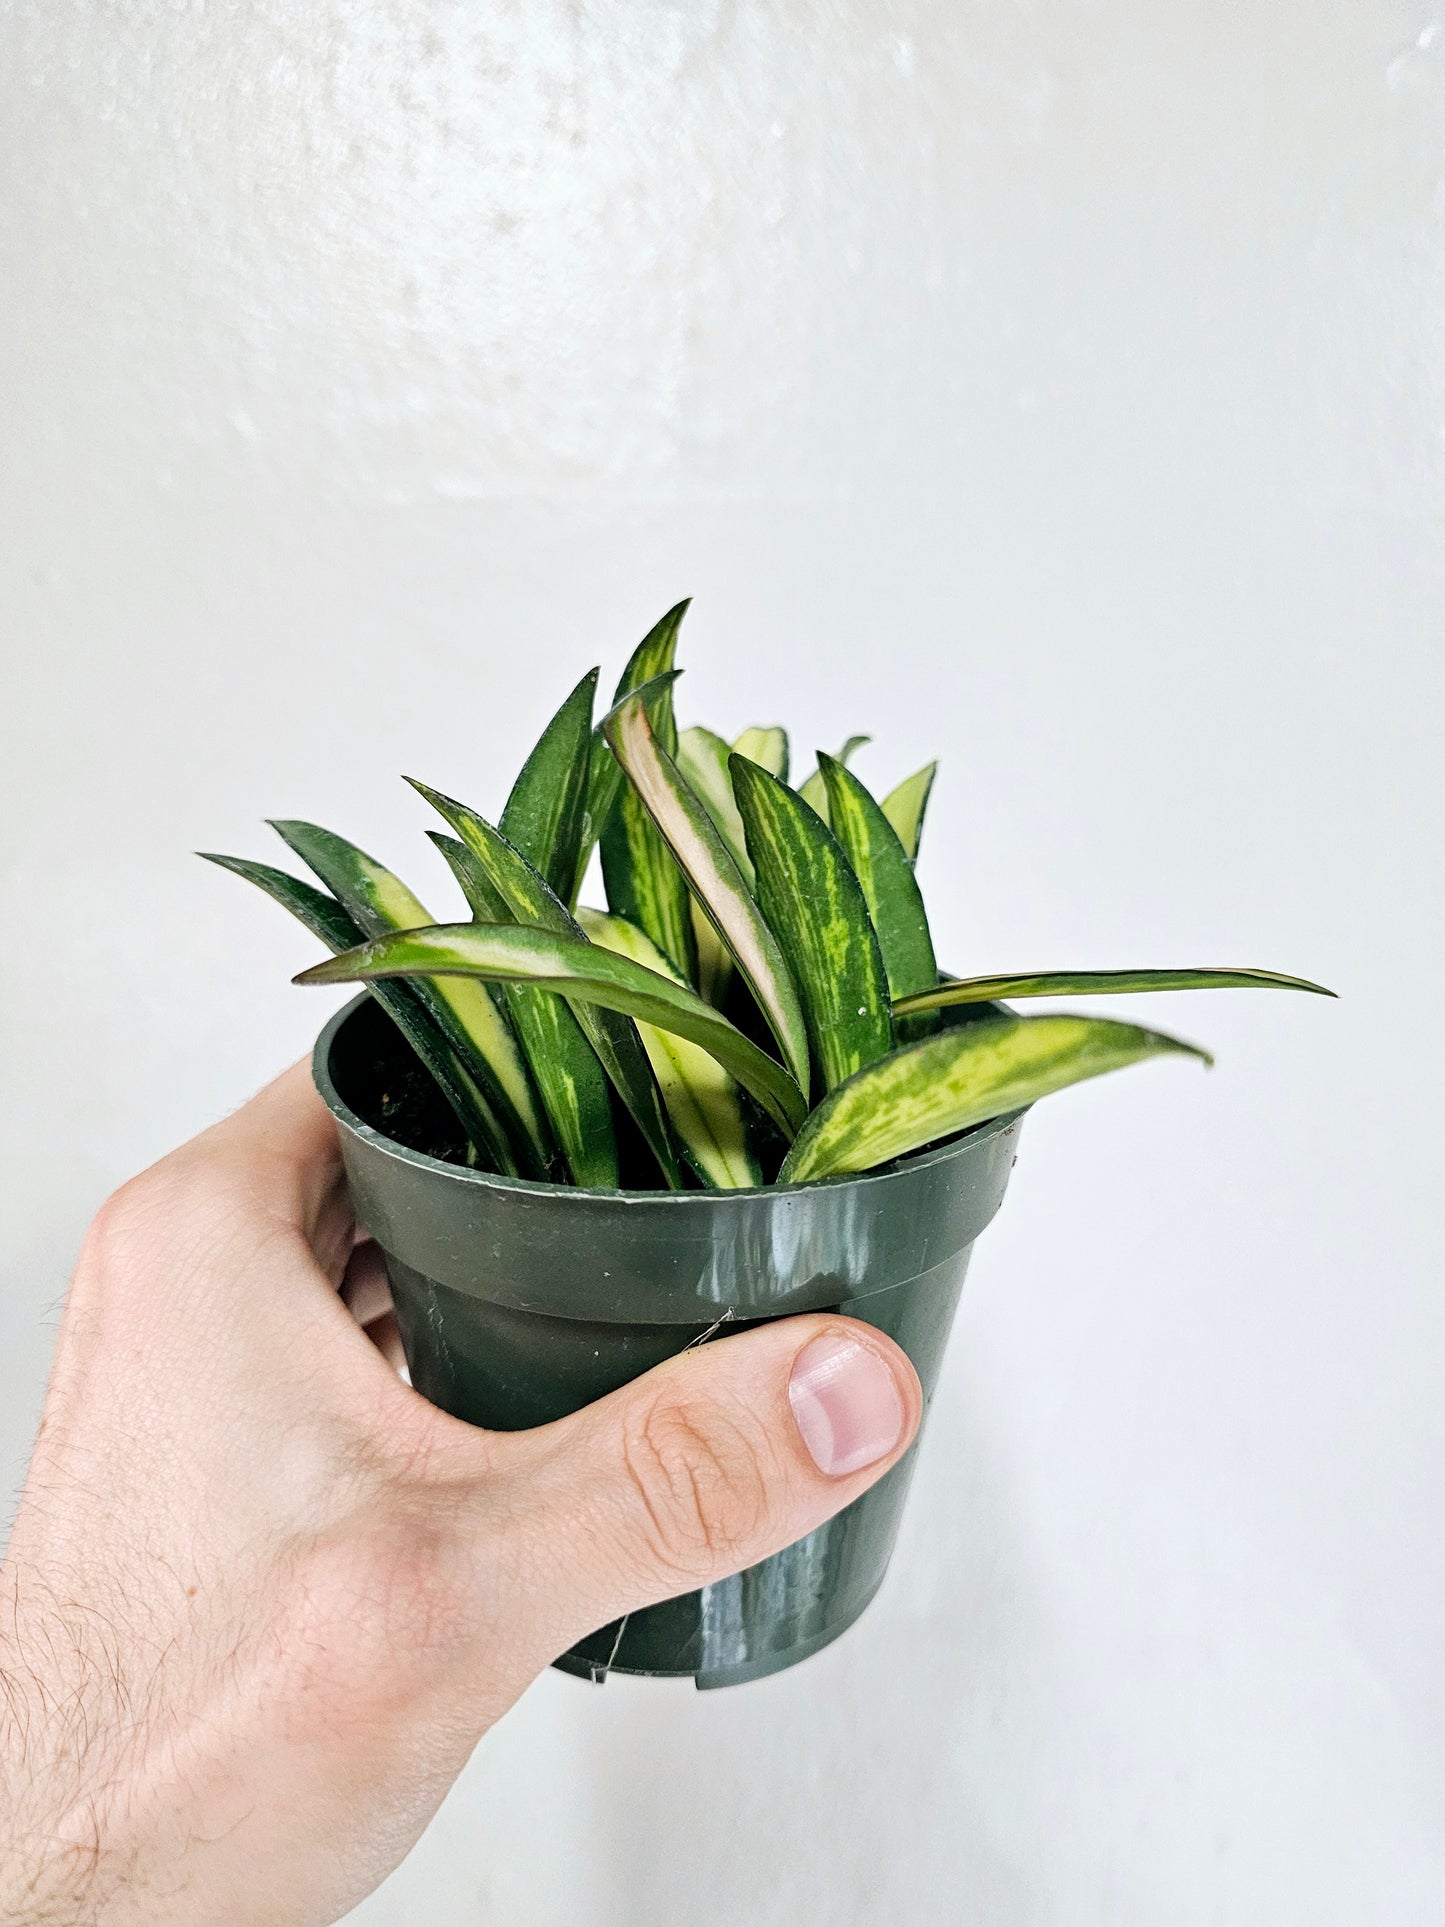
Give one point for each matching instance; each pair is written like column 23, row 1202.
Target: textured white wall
column 1056, row 385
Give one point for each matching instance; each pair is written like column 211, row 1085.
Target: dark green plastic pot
column 520, row 1302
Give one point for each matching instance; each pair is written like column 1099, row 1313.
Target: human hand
column 261, row 1599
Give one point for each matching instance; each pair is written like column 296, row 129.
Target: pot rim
column 541, row 1188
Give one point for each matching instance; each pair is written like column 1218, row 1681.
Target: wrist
column 58, row 1865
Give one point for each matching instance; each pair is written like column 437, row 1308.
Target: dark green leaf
column 325, row 918
column 604, row 787
column 502, row 887
column 702, row 858
column 644, row 884
column 482, row 900
column 886, row 876
column 322, row 915
column 563, row 1064
column 924, row 1092
column 1095, row 983
column 467, row 1014
column 571, row 1081
column 905, row 807
column 814, row 906
column 508, row 953
column 702, row 1099
column 545, row 811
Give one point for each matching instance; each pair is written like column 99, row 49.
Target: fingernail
column 847, row 1404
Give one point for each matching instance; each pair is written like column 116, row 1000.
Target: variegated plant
column 759, row 1003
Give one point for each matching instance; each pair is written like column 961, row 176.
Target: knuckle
column 702, row 1476
column 135, row 1213
column 123, row 1229
column 166, row 1225
column 114, row 1223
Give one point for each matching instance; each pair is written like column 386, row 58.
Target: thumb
column 705, row 1465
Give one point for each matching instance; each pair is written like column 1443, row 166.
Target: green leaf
column 605, row 783
column 813, row 904
column 702, row 756
column 766, row 747
column 905, row 806
column 467, row 1014
column 545, row 811
column 325, row 918
column 889, row 886
column 643, row 882
column 470, row 875
column 927, row 1091
column 502, row 887
column 703, row 859
column 572, row 1083
column 561, row 1060
column 322, row 915
column 508, row 953
column 815, row 791
column 654, row 657
column 1095, row 983
column 702, row 1099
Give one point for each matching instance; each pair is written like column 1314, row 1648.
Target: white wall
column 1059, row 386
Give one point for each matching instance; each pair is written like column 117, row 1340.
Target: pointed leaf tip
column 644, row 693
column 641, row 876
column 960, row 1078
column 1095, row 983
column 906, row 805
column 815, row 791
column 545, row 810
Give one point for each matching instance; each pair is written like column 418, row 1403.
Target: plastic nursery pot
column 519, row 1302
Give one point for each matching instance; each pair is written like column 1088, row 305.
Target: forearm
column 57, row 1864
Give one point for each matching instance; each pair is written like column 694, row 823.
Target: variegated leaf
column 889, row 886
column 643, row 882
column 574, row 968
column 502, row 887
column 1095, row 983
column 325, row 918
column 815, row 791
column 702, row 1099
column 702, row 756
column 927, row 1091
column 702, row 858
column 812, row 903
column 379, row 901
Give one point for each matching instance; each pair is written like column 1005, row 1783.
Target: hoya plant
column 759, row 1002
